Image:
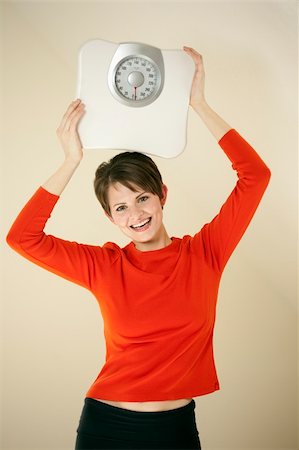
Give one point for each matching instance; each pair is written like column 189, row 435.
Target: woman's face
column 138, row 214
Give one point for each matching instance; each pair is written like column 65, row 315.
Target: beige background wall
column 52, row 329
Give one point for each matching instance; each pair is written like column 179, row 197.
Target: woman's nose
column 136, row 212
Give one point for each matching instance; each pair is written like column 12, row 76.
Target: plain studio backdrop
column 53, row 331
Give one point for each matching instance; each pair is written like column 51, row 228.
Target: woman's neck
column 160, row 241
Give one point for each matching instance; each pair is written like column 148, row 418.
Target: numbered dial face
column 137, row 79
column 136, row 74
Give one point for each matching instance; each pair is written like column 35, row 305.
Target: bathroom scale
column 136, row 97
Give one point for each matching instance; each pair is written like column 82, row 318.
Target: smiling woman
column 157, row 295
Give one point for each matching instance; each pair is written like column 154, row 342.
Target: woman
column 157, row 295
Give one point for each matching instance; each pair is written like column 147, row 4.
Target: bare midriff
column 149, row 406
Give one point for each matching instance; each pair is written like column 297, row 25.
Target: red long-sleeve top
column 158, row 307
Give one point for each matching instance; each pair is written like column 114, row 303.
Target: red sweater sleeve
column 220, row 237
column 70, row 260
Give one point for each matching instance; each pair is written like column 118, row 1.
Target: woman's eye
column 144, row 198
column 120, row 208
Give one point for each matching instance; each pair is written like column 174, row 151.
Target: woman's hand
column 68, row 134
column 197, row 88
column 71, row 144
column 217, row 126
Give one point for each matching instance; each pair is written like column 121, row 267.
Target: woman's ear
column 164, row 194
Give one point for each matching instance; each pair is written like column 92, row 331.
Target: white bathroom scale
column 136, row 97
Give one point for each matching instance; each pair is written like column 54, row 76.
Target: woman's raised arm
column 217, row 126
column 218, row 239
column 72, row 147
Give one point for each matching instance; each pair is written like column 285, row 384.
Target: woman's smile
column 142, row 226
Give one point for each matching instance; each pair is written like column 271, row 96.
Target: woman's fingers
column 197, row 88
column 71, row 113
column 190, row 49
column 74, row 117
column 73, row 110
column 67, row 131
column 197, row 57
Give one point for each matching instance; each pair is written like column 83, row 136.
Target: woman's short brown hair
column 132, row 169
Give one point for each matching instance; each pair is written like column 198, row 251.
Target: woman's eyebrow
column 141, row 194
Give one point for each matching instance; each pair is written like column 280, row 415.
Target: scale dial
column 137, row 78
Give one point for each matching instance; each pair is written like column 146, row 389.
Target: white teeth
column 141, row 224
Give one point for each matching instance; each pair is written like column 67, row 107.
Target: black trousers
column 103, row 426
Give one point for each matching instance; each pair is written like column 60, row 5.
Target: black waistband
column 102, row 421
column 129, row 413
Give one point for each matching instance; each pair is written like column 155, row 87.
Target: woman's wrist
column 201, row 107
column 58, row 181
column 217, row 126
column 72, row 162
